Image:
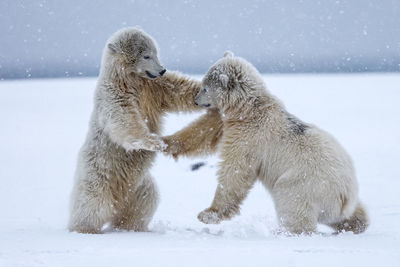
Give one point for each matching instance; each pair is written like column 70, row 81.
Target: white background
column 44, row 123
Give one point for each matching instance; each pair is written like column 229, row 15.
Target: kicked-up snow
column 44, row 123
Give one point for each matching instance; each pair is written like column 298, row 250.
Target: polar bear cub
column 310, row 176
column 113, row 185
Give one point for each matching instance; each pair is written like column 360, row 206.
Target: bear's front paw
column 173, row 147
column 209, row 217
column 154, row 143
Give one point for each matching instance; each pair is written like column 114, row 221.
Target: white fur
column 112, row 180
column 308, row 173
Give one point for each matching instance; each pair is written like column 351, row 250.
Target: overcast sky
column 66, row 38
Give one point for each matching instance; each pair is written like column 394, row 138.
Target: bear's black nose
column 162, row 72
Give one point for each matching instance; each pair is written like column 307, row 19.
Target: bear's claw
column 209, row 217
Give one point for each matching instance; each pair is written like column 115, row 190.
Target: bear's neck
column 130, row 85
column 249, row 107
column 120, row 78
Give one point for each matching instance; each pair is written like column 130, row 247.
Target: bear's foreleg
column 235, row 181
column 177, row 92
column 201, row 137
column 129, row 130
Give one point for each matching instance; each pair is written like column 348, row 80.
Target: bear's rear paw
column 209, row 217
column 85, row 230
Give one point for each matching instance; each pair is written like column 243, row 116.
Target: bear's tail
column 357, row 223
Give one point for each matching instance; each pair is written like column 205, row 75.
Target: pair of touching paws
column 173, row 147
column 153, row 142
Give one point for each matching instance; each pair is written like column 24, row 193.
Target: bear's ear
column 224, row 79
column 137, row 27
column 113, row 48
column 228, row 54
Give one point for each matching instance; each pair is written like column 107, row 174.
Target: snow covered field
column 44, row 122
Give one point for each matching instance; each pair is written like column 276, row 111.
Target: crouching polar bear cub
column 112, row 180
column 309, row 175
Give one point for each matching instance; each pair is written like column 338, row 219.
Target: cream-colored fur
column 112, row 181
column 309, row 175
column 201, row 137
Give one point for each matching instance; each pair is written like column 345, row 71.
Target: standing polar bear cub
column 112, row 180
column 309, row 175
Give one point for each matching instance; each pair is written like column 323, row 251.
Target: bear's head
column 230, row 81
column 134, row 51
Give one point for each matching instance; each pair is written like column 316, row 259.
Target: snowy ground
column 44, row 122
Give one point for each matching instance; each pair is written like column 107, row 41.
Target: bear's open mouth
column 150, row 75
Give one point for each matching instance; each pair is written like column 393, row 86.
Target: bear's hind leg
column 295, row 211
column 141, row 205
column 357, row 223
column 90, row 210
column 297, row 220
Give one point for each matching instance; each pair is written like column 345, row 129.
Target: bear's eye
column 146, row 57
